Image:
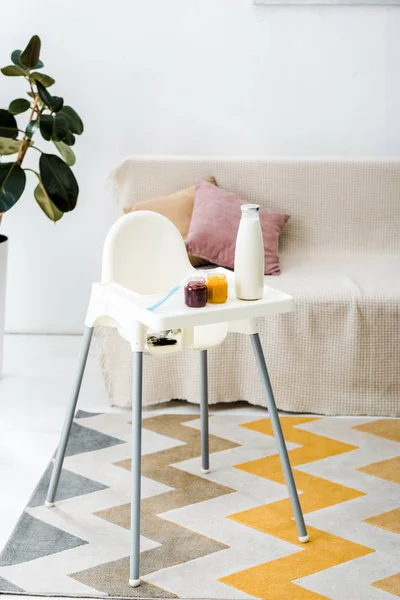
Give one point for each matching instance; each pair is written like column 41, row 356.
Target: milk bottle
column 249, row 255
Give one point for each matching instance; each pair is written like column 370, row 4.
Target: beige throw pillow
column 178, row 208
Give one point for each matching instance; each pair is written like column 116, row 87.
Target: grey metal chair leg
column 205, row 452
column 280, row 440
column 58, row 463
column 137, row 377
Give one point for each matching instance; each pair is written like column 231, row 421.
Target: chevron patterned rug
column 229, row 534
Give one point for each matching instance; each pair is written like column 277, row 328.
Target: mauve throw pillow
column 215, row 223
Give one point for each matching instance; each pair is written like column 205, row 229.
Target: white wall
column 187, row 76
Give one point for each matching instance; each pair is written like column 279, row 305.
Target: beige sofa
column 339, row 353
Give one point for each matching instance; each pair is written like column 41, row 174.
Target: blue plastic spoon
column 165, row 298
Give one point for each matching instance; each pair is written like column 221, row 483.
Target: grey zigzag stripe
column 188, row 489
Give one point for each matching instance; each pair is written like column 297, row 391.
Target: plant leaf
column 15, row 57
column 31, row 128
column 57, row 104
column 59, row 182
column 45, row 96
column 46, row 126
column 8, row 125
column 49, row 209
column 13, row 71
column 30, row 56
column 9, row 146
column 66, row 152
column 39, row 65
column 18, row 106
column 60, row 127
column 47, row 206
column 45, row 80
column 54, row 103
column 12, row 184
column 69, row 139
column 75, row 122
column 53, row 127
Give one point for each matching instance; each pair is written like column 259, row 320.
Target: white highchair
column 144, row 257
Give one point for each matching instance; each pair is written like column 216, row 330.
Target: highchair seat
column 144, row 258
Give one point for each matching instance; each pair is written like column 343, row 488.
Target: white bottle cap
column 250, row 208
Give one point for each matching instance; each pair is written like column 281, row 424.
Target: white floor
column 33, row 394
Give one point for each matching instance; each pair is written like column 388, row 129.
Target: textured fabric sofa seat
column 339, row 352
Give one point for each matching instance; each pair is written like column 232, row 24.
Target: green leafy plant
column 57, row 189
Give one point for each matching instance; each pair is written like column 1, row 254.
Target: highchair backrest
column 145, row 252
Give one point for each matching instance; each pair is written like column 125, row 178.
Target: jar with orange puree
column 217, row 287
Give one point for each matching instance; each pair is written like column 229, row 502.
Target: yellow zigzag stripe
column 273, row 580
column 390, row 471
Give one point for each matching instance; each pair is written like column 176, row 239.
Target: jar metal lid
column 217, row 276
column 196, row 279
column 250, row 208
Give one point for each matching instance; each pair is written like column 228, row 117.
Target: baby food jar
column 217, row 287
column 196, row 292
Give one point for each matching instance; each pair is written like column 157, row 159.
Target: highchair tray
column 175, row 314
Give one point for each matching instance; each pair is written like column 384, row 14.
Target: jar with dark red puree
column 196, row 292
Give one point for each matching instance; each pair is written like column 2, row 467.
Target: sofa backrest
column 336, row 205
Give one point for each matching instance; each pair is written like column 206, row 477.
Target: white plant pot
column 3, row 280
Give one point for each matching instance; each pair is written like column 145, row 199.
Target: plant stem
column 35, row 103
column 34, row 95
column 22, row 150
column 26, row 141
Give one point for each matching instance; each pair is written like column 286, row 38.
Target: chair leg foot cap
column 303, row 539
column 134, row 582
column 205, row 471
column 49, row 504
